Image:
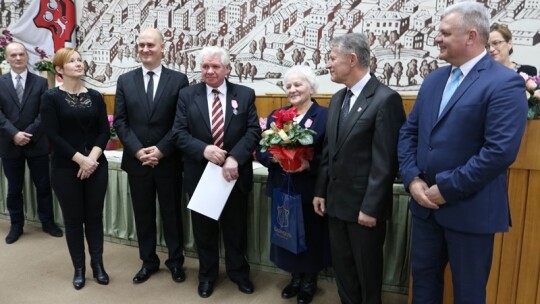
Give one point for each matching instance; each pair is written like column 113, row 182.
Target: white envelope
column 211, row 193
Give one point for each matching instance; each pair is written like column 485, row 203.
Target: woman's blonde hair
column 61, row 57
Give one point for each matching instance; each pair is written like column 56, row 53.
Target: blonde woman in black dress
column 75, row 120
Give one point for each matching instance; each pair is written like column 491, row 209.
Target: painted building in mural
column 266, row 37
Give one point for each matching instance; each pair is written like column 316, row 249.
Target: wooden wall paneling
column 265, row 105
column 510, row 255
column 408, row 102
column 448, row 296
column 529, row 156
column 529, row 270
column 109, row 102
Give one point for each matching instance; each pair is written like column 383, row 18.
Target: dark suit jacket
column 139, row 125
column 192, row 130
column 15, row 117
column 467, row 150
column 359, row 161
column 304, row 181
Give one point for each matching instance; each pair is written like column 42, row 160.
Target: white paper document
column 211, row 193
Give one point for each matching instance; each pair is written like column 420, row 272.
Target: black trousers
column 82, row 203
column 39, row 171
column 233, row 225
column 357, row 257
column 143, row 196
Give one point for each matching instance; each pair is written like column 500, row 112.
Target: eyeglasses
column 495, row 44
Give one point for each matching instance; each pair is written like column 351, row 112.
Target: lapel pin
column 359, row 109
column 234, row 104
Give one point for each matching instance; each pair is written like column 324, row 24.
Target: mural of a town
column 266, row 37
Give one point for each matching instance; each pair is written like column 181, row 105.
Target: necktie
column 19, row 88
column 217, row 120
column 345, row 107
column 450, row 89
column 150, row 88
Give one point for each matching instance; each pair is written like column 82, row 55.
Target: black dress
column 317, row 255
column 77, row 123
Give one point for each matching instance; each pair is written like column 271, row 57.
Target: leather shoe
column 14, row 233
column 143, row 275
column 293, row 287
column 245, row 285
column 99, row 273
column 78, row 278
column 307, row 289
column 178, row 275
column 205, row 289
column 52, row 229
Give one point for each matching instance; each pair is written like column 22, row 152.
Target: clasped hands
column 149, row 156
column 87, row 166
column 429, row 197
column 22, row 138
column 220, row 157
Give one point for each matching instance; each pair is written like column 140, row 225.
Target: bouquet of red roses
column 287, row 141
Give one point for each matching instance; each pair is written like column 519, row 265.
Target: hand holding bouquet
column 287, row 141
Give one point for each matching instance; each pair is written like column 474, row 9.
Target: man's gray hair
column 353, row 43
column 210, row 51
column 471, row 15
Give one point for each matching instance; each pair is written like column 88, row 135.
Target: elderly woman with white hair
column 304, row 267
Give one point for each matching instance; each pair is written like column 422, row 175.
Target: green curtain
column 119, row 224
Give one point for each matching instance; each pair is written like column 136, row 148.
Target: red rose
column 283, row 116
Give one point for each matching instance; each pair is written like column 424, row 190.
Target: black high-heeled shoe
column 78, row 278
column 99, row 273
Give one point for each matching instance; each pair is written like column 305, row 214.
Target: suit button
column 430, row 148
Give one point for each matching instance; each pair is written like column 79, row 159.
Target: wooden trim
column 529, row 151
column 267, row 103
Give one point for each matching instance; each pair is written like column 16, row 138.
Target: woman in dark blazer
column 500, row 48
column 304, row 267
column 75, row 120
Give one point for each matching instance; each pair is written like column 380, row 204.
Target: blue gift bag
column 287, row 220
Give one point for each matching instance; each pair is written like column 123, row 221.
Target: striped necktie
column 217, row 120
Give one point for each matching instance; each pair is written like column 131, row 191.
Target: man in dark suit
column 22, row 140
column 454, row 151
column 359, row 165
column 229, row 141
column 144, row 111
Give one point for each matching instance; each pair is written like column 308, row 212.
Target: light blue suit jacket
column 468, row 149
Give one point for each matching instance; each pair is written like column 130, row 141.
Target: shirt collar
column 23, row 76
column 222, row 89
column 157, row 71
column 359, row 86
column 469, row 65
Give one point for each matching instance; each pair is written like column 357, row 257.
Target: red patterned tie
column 217, row 120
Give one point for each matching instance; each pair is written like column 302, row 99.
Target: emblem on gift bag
column 287, row 230
column 283, row 216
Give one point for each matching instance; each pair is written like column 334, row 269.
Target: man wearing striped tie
column 22, row 141
column 216, row 121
